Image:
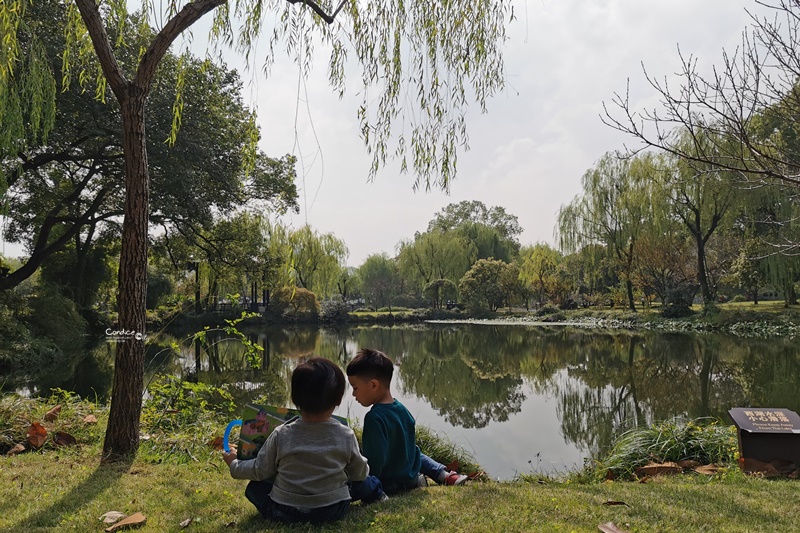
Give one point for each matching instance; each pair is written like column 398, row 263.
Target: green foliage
column 177, row 404
column 159, row 286
column 439, row 291
column 482, row 286
column 380, row 280
column 17, row 414
column 707, row 442
column 295, row 303
column 252, row 350
column 334, row 311
column 443, row 450
column 678, row 302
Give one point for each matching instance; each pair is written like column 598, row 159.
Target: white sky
column 528, row 153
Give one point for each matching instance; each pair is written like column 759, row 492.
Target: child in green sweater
column 388, row 439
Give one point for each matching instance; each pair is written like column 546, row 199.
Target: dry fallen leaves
column 186, row 523
column 610, row 527
column 90, row 419
column 133, row 520
column 62, row 438
column 708, row 470
column 613, row 502
column 754, row 466
column 53, row 413
column 112, row 517
column 37, row 435
column 216, row 443
column 657, row 469
column 19, row 448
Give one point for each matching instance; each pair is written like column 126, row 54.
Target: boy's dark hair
column 317, row 385
column 371, row 364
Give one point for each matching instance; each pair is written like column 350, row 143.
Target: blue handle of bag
column 232, row 424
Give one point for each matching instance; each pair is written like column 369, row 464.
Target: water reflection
column 509, row 393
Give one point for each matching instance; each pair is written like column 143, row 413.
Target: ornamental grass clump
column 701, row 440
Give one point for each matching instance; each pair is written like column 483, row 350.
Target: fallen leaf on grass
column 19, row 448
column 216, row 443
column 754, row 466
column 613, row 502
column 654, row 469
column 688, row 464
column 708, row 470
column 453, row 466
column 90, row 419
column 53, row 413
column 133, row 520
column 37, row 435
column 112, row 517
column 610, row 475
column 784, row 466
column 645, row 479
column 62, row 438
column 610, row 527
column 476, row 475
column 186, row 523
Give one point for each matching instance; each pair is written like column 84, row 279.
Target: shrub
column 678, row 302
column 739, row 298
column 334, row 311
column 295, row 303
column 547, row 309
column 673, row 441
column 175, row 403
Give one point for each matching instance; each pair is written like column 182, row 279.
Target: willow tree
column 422, row 62
column 611, row 211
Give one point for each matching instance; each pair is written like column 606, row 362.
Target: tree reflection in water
column 598, row 383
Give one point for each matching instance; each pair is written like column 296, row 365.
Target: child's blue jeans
column 258, row 494
column 370, row 489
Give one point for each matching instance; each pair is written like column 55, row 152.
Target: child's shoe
column 383, row 498
column 454, row 478
column 422, row 481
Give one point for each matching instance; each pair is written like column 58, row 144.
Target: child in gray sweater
column 301, row 473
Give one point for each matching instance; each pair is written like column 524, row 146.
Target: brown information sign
column 765, row 420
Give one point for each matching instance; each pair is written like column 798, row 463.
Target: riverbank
column 768, row 319
column 67, row 490
column 179, row 482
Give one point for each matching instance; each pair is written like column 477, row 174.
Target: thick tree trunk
column 122, row 434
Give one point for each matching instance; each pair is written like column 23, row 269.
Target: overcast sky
column 564, row 58
column 528, row 153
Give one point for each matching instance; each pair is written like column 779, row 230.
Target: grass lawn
column 68, row 491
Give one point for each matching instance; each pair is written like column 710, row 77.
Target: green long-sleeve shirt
column 389, row 443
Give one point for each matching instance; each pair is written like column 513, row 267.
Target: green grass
column 68, row 491
column 175, row 479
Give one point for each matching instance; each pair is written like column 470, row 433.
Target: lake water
column 520, row 398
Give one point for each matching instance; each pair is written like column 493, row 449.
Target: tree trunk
column 122, row 434
column 702, row 275
column 629, row 289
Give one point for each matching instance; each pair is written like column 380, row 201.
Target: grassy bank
column 68, row 491
column 177, row 478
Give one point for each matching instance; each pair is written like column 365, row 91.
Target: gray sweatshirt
column 309, row 463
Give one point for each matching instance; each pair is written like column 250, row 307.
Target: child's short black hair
column 371, row 364
column 317, row 385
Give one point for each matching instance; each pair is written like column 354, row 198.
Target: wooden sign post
column 767, row 434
